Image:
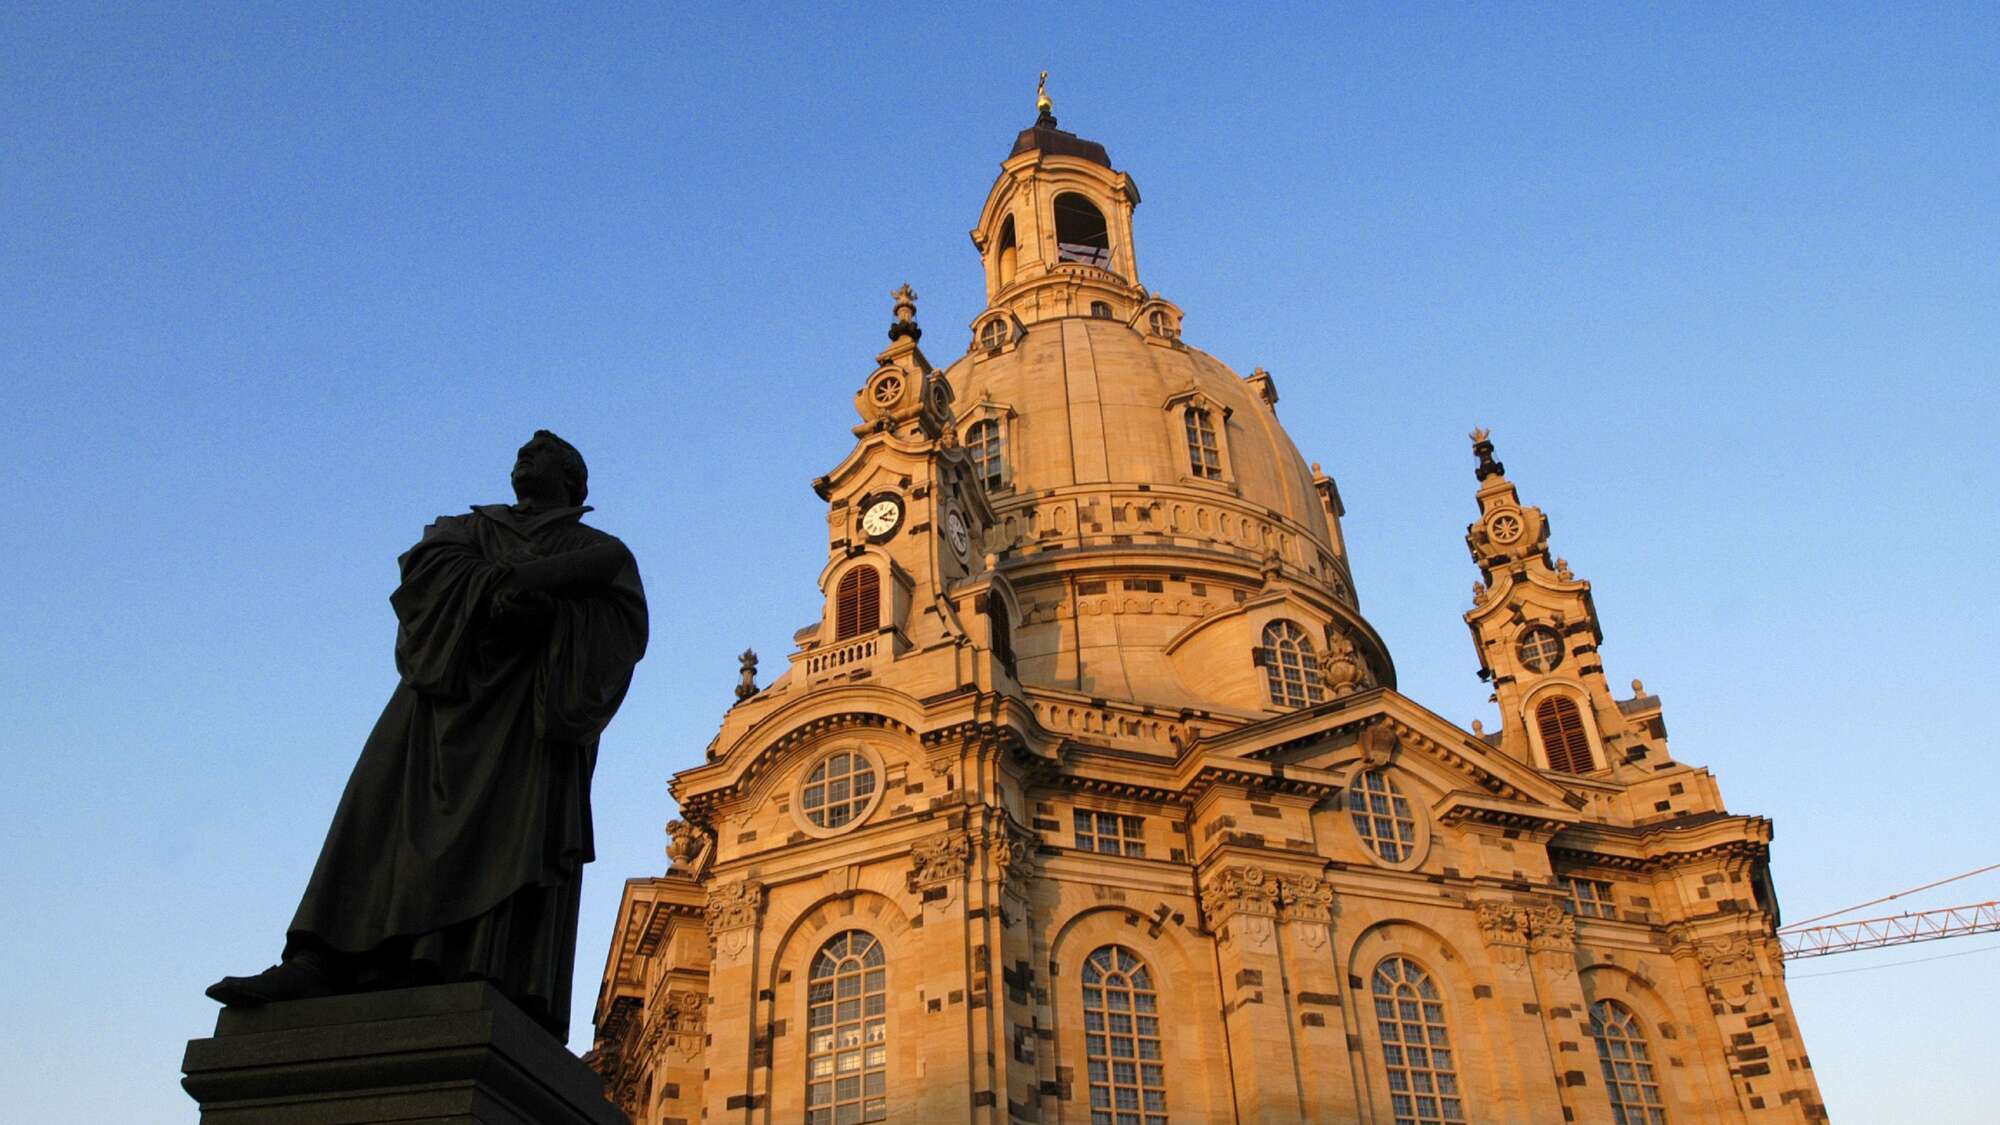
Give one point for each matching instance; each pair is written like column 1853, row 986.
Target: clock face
column 955, row 532
column 880, row 518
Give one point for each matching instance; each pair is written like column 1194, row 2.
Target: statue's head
column 548, row 466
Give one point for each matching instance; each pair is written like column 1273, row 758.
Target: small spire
column 1045, row 110
column 906, row 315
column 747, row 663
column 1482, row 448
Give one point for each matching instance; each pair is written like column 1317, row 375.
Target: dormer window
column 1160, row 323
column 1290, row 672
column 983, row 442
column 1204, row 455
column 857, row 603
column 993, row 335
column 1100, row 310
column 1081, row 232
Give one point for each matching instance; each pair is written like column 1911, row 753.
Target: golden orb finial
column 1043, row 106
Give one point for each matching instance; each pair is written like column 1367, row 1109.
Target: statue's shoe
column 296, row 979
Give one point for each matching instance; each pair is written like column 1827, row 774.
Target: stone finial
column 906, row 314
column 1638, row 688
column 1563, row 571
column 747, row 686
column 1482, row 448
column 1478, row 728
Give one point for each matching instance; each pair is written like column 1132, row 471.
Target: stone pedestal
column 455, row 1054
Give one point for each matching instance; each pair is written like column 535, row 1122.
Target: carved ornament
column 732, row 911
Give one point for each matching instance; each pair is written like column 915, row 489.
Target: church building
column 1089, row 796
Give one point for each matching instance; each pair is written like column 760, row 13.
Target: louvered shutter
column 1563, row 736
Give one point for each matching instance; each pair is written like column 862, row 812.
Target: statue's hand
column 522, row 613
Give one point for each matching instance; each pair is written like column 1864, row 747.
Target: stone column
column 736, row 1086
column 1744, row 987
column 955, row 1002
column 1241, row 906
column 1305, row 926
column 1528, row 1085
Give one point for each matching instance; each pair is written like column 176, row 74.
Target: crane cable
column 1886, row 898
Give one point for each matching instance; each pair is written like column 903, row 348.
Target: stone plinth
column 460, row 1054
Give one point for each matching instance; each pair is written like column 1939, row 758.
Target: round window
column 1384, row 820
column 840, row 790
column 1540, row 649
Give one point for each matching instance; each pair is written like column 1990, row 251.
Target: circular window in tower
column 839, row 791
column 1540, row 649
column 1393, row 831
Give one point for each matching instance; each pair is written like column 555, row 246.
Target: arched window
column 1204, row 454
column 993, row 334
column 1416, row 1046
column 847, row 1032
column 1101, row 310
column 1009, row 252
column 1289, row 670
column 1563, row 737
column 1121, row 1036
column 1540, row 649
column 1628, row 1067
column 1081, row 233
column 857, row 603
column 1382, row 816
column 983, row 441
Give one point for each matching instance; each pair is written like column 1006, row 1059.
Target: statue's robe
column 458, row 848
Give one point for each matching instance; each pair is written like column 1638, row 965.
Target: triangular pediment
column 1335, row 738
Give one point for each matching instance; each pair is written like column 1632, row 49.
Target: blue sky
column 282, row 285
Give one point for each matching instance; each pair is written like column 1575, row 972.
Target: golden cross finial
column 1043, row 105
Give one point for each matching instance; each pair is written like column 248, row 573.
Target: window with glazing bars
column 847, row 1032
column 983, row 442
column 1629, row 1078
column 1204, row 454
column 1289, row 669
column 857, row 603
column 1121, row 1036
column 1591, row 898
column 1416, row 1046
column 1382, row 816
column 1563, row 736
column 1110, row 833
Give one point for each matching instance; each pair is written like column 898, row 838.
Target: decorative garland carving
column 940, row 858
column 1513, row 931
column 732, row 911
column 1242, row 901
column 1306, row 904
column 1726, row 957
column 1013, row 853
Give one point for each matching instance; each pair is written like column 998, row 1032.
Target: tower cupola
column 1056, row 232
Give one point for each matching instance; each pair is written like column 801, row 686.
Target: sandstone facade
column 1090, row 796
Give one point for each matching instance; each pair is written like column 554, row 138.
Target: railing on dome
column 841, row 657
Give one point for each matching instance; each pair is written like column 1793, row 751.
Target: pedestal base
column 457, row 1053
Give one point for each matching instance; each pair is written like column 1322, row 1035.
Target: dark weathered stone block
column 455, row 1054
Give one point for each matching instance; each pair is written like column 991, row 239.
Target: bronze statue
column 458, row 848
